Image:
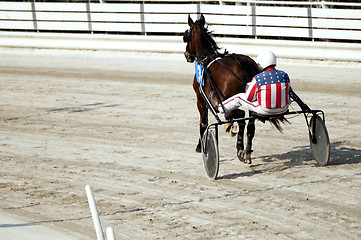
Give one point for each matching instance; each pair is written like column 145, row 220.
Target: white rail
column 243, row 19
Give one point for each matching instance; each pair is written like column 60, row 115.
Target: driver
column 266, row 94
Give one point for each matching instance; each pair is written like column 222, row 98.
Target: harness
column 204, row 61
column 204, row 56
column 217, row 60
column 202, row 68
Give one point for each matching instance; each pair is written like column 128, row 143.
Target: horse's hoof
column 198, row 149
column 234, row 130
column 243, row 157
column 232, row 134
column 240, row 155
column 248, row 158
column 228, row 126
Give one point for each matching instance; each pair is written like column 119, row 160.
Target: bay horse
column 229, row 72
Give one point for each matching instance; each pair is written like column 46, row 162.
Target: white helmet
column 266, row 58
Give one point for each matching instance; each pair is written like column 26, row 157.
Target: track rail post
column 94, row 212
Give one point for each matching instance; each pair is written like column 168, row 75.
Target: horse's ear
column 202, row 20
column 190, row 21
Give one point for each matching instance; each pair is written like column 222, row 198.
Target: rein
column 217, row 61
column 214, row 87
column 236, row 75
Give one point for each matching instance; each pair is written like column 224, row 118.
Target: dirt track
column 112, row 120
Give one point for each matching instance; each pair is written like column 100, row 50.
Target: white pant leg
column 231, row 103
column 255, row 107
column 237, row 101
column 240, row 99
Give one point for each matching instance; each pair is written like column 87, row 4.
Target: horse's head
column 199, row 43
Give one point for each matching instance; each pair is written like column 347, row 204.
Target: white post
column 94, row 212
column 110, row 233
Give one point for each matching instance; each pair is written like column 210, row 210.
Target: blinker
column 186, row 36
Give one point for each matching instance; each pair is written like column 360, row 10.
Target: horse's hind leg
column 251, row 129
column 240, row 142
column 202, row 128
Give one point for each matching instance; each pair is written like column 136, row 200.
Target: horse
column 229, row 74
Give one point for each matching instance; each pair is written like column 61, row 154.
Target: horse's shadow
column 339, row 155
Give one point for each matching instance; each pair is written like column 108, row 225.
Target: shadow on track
column 340, row 155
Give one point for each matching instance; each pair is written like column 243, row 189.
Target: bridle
column 188, row 39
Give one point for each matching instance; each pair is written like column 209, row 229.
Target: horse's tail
column 276, row 122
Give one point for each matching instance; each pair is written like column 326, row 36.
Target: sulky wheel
column 320, row 143
column 210, row 154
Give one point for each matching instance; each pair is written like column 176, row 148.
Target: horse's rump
column 231, row 72
column 234, row 72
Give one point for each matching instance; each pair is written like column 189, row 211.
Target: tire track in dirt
column 138, row 156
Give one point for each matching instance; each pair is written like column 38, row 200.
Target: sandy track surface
column 127, row 125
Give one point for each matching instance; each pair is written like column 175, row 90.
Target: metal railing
column 300, row 20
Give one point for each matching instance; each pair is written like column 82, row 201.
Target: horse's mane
column 207, row 35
